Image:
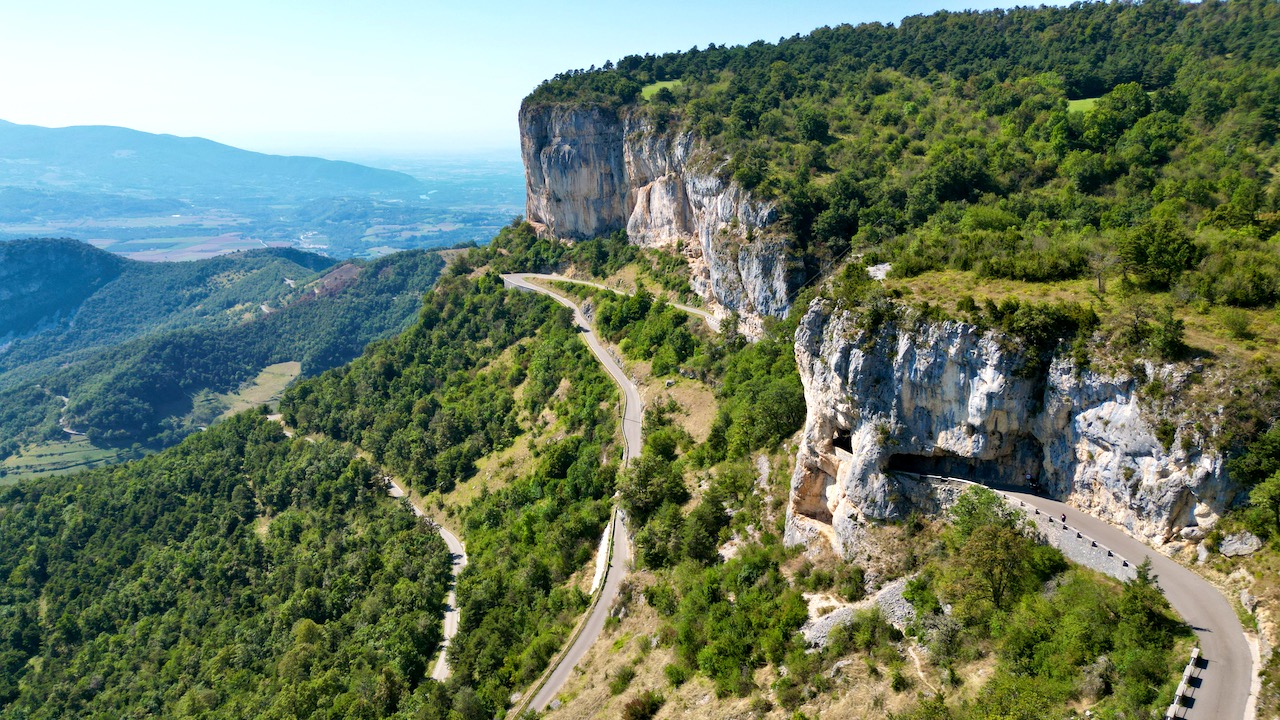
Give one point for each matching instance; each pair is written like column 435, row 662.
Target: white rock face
column 590, row 172
column 946, row 399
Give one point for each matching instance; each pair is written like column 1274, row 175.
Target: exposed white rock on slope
column 591, row 171
column 947, row 399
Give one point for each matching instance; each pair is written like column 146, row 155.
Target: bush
column 622, row 680
column 643, row 706
column 1237, row 323
column 897, row 681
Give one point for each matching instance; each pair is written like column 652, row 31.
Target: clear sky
column 350, row 78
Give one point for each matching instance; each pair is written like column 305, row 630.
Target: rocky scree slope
column 591, row 171
column 889, row 403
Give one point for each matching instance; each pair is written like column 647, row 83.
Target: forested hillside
column 240, row 574
column 483, row 367
column 67, row 296
column 243, row 573
column 1117, row 140
column 197, row 328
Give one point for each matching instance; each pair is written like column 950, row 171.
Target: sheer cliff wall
column 888, row 405
column 592, row 171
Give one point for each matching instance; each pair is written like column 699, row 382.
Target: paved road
column 632, row 413
column 458, row 552
column 632, row 409
column 712, row 321
column 1226, row 679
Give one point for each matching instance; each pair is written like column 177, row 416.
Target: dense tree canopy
column 141, row 390
column 949, row 142
column 239, row 574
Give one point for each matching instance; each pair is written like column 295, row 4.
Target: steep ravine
column 592, row 171
column 945, row 398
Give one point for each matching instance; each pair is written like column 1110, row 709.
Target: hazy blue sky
column 349, row 78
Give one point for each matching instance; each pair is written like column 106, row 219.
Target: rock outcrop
column 1243, row 543
column 890, row 404
column 592, row 171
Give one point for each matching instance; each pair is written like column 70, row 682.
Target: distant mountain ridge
column 45, row 284
column 103, row 158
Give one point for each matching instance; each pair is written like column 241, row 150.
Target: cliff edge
column 591, row 171
column 889, row 404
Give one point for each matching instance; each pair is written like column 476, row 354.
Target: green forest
column 469, row 379
column 132, row 382
column 240, row 574
column 71, row 297
column 950, row 141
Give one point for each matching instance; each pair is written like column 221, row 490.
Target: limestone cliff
column 592, row 171
column 889, row 404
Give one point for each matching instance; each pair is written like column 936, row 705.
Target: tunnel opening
column 1020, row 467
column 843, row 440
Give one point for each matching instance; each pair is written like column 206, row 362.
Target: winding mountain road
column 632, row 408
column 711, row 320
column 632, row 414
column 458, row 553
column 1226, row 679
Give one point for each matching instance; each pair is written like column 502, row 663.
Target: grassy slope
column 652, row 89
column 57, row 457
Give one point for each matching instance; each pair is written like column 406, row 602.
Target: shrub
column 1237, row 323
column 643, row 706
column 622, row 680
column 897, row 681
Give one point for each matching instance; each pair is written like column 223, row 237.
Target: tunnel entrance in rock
column 1013, row 468
column 843, row 440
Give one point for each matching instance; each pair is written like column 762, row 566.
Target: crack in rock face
column 891, row 408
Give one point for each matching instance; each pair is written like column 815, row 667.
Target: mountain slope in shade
column 61, row 295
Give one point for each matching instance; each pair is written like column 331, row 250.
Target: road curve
column 632, row 414
column 711, row 320
column 458, row 553
column 632, row 408
column 1226, row 680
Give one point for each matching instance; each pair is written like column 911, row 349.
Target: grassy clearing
column 1207, row 328
column 1082, row 105
column 652, row 89
column 53, row 458
column 264, row 390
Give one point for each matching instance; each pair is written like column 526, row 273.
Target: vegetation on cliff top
column 948, row 146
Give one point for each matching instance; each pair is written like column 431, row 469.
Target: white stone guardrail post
column 1178, row 709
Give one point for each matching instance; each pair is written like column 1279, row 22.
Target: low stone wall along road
column 1226, row 662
